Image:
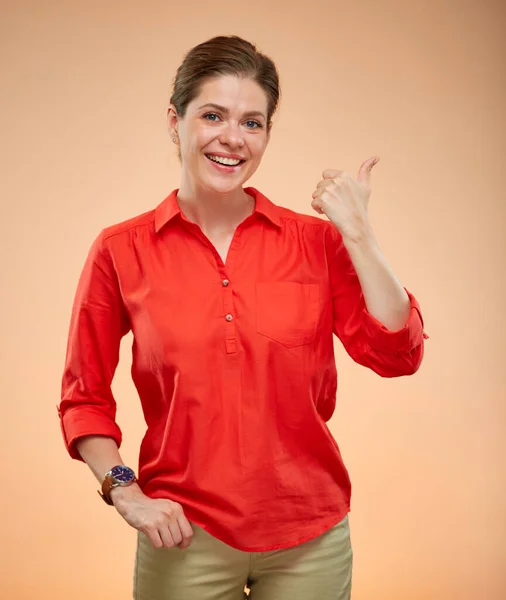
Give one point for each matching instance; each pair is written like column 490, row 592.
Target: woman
column 233, row 302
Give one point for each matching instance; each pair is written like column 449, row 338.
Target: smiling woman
column 233, row 302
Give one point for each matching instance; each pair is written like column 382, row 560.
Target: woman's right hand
column 162, row 521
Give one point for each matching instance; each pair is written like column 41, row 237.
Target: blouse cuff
column 77, row 423
column 403, row 340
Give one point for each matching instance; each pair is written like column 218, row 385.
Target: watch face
column 122, row 474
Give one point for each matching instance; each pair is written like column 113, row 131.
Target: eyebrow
column 223, row 109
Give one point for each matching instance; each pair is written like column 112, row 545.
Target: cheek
column 258, row 147
column 197, row 138
column 193, row 147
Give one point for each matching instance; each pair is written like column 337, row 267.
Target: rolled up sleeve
column 98, row 322
column 367, row 341
column 404, row 340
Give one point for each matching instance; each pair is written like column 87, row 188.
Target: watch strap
column 108, row 485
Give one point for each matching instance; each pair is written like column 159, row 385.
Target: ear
column 172, row 120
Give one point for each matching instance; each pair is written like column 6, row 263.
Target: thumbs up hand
column 344, row 200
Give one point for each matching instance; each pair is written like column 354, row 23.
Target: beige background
column 84, row 145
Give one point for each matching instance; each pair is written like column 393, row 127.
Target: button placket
column 228, row 306
column 228, row 299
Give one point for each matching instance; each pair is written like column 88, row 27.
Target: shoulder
column 142, row 221
column 114, row 239
column 291, row 215
column 312, row 226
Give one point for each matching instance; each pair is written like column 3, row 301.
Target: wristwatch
column 118, row 476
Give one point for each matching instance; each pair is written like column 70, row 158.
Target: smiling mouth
column 225, row 162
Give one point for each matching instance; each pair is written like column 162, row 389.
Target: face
column 223, row 135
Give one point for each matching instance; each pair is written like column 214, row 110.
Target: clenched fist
column 162, row 521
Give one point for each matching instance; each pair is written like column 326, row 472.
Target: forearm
column 385, row 298
column 101, row 454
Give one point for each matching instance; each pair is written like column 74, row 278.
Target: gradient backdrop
column 84, row 144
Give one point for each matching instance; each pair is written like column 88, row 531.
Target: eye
column 211, row 116
column 253, row 125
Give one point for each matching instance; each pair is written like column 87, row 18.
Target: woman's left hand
column 344, row 199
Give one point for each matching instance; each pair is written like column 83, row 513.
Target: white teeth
column 232, row 162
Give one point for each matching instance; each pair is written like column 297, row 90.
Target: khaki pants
column 319, row 569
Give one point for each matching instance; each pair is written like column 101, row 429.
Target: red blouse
column 234, row 365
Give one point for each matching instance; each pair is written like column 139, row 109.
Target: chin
column 223, row 186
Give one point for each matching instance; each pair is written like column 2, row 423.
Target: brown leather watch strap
column 107, row 486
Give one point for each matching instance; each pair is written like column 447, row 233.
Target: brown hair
column 225, row 55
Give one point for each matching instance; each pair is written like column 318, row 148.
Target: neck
column 214, row 211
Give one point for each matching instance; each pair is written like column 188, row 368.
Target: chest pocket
column 287, row 312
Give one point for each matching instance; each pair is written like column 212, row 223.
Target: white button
column 229, row 317
column 225, row 282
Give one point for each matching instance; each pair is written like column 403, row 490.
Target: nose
column 232, row 136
